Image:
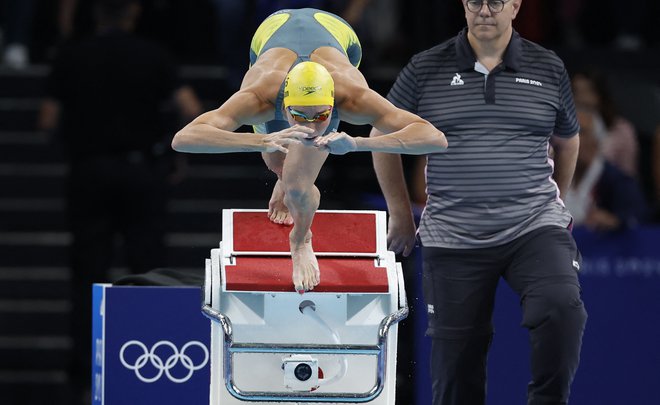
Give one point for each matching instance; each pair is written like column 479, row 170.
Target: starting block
column 335, row 344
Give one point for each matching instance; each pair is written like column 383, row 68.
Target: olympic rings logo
column 163, row 367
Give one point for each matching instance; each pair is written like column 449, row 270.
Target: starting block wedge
column 335, row 344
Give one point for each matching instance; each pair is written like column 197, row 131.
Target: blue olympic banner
column 151, row 346
column 620, row 359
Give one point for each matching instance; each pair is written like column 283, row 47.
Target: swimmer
column 303, row 79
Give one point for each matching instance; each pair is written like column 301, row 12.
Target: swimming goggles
column 300, row 116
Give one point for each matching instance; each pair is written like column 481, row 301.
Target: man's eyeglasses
column 300, row 116
column 495, row 6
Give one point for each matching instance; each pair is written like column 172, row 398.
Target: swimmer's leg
column 277, row 210
column 301, row 168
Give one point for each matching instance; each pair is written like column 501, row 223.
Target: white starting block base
column 344, row 332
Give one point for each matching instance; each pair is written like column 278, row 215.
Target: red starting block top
column 332, row 232
column 338, row 274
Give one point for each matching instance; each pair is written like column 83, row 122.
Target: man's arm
column 401, row 228
column 566, row 152
column 187, row 102
column 49, row 114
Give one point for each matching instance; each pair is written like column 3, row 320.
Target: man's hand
column 401, row 234
column 336, row 143
column 601, row 220
column 278, row 141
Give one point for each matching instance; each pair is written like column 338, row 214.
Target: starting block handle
column 343, row 397
column 361, row 350
column 222, row 319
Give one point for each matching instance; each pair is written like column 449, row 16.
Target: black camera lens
column 303, row 372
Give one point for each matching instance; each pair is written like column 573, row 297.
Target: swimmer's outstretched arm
column 213, row 131
column 403, row 132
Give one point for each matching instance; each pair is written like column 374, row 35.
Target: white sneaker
column 16, row 56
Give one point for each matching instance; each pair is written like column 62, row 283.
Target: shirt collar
column 466, row 57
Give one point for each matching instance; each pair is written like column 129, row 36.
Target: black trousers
column 110, row 197
column 459, row 290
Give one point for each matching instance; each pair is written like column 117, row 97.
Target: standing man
column 302, row 81
column 494, row 205
column 104, row 99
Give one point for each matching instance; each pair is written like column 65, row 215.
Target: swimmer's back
column 303, row 31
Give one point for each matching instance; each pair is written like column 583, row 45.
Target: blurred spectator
column 377, row 23
column 65, row 18
column 105, row 96
column 620, row 146
column 428, row 23
column 601, row 197
column 606, row 23
column 569, row 12
column 232, row 39
column 74, row 20
column 532, row 21
column 628, row 19
column 17, row 16
column 655, row 164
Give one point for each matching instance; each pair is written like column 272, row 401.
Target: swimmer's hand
column 278, row 141
column 336, row 143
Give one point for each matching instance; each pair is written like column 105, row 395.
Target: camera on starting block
column 301, row 372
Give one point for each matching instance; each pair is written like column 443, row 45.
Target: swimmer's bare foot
column 306, row 274
column 277, row 211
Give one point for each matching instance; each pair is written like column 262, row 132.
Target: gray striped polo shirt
column 494, row 182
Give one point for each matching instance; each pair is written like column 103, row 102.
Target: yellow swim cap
column 308, row 84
